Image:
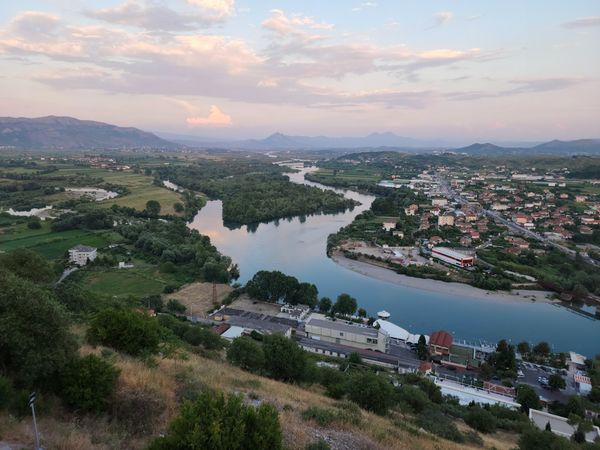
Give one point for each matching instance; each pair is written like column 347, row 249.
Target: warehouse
column 452, row 257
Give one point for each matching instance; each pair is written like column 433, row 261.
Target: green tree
column 556, row 382
column 175, row 306
column 542, row 349
column 246, row 353
column 153, row 207
column 422, row 350
column 481, row 419
column 216, row 422
column 528, row 398
column 197, row 335
column 534, row 439
column 324, row 305
column 124, row 330
column 27, row 264
column 178, row 207
column 89, row 384
column 523, row 347
column 362, row 312
column 371, row 392
column 345, row 305
column 35, row 341
column 284, row 359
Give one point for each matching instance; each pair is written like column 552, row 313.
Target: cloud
column 442, row 18
column 161, row 18
column 215, row 118
column 282, row 24
column 34, row 25
column 585, row 22
column 542, row 85
column 221, row 8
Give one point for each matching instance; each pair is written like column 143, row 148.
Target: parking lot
column 531, row 374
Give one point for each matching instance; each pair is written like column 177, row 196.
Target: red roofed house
column 440, row 343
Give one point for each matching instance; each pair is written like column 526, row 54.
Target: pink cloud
column 215, row 118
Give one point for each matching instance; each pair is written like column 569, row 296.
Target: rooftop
column 441, row 339
column 319, row 320
column 82, row 248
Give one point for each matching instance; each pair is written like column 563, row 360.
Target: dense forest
column 252, row 191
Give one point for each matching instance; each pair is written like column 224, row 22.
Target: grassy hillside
column 148, row 397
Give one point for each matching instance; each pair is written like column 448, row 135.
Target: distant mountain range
column 53, row 132
column 68, row 133
column 577, row 147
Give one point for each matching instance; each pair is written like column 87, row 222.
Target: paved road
column 517, row 229
column 531, row 374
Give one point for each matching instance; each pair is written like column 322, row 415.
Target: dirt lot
column 247, row 304
column 197, row 297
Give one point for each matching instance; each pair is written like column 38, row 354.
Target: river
column 297, row 247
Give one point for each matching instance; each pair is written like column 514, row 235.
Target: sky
column 464, row 70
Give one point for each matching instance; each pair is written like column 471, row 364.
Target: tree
column 556, row 382
column 324, row 305
column 504, row 357
column 197, row 335
column 345, row 305
column 178, row 207
column 523, row 347
column 124, row 330
column 153, row 207
column 216, row 422
column 371, row 392
column 89, row 384
column 35, row 341
column 534, row 439
column 422, row 350
column 34, row 223
column 284, row 360
column 27, row 264
column 362, row 312
column 542, row 349
column 246, row 353
column 175, row 306
column 528, row 398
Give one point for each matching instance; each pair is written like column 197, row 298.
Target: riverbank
column 451, row 288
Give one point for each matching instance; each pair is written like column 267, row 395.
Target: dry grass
column 198, row 297
column 170, row 380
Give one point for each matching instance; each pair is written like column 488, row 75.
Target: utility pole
column 32, row 398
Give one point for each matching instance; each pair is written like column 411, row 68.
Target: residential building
column 82, row 254
column 440, row 343
column 446, row 219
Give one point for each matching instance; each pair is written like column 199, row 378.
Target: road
column 512, row 226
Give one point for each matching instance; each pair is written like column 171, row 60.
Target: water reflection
column 297, row 246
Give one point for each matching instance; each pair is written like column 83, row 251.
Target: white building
column 343, row 332
column 81, row 254
column 559, row 425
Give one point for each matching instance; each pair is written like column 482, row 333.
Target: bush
column 197, row 335
column 439, row 424
column 6, row 393
column 127, row 331
column 244, row 352
column 34, row 223
column 217, row 422
column 284, row 360
column 175, row 307
column 371, row 392
column 481, row 420
column 137, row 410
column 414, row 398
column 323, row 416
column 89, row 384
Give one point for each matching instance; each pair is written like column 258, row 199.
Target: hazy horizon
column 234, row 69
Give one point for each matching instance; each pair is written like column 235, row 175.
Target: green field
column 140, row 281
column 51, row 244
column 349, row 175
column 140, row 187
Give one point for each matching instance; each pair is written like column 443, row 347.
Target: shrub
column 89, row 384
column 6, row 393
column 137, row 410
column 175, row 306
column 284, row 360
column 439, row 424
column 197, row 335
column 217, row 422
column 323, row 416
column 321, row 444
column 414, row 398
column 371, row 392
column 244, row 352
column 127, row 331
column 481, row 420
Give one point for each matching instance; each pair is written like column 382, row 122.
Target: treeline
column 254, row 192
column 173, row 242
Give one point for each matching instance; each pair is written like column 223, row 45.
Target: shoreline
column 452, row 288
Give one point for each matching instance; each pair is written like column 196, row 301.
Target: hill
column 54, row 132
column 555, row 147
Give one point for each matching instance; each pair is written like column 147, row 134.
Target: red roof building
column 440, row 343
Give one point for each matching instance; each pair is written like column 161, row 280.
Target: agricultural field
column 140, row 281
column 346, row 176
column 141, row 189
column 50, row 244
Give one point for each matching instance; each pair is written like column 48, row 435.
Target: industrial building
column 452, row 257
column 342, row 332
